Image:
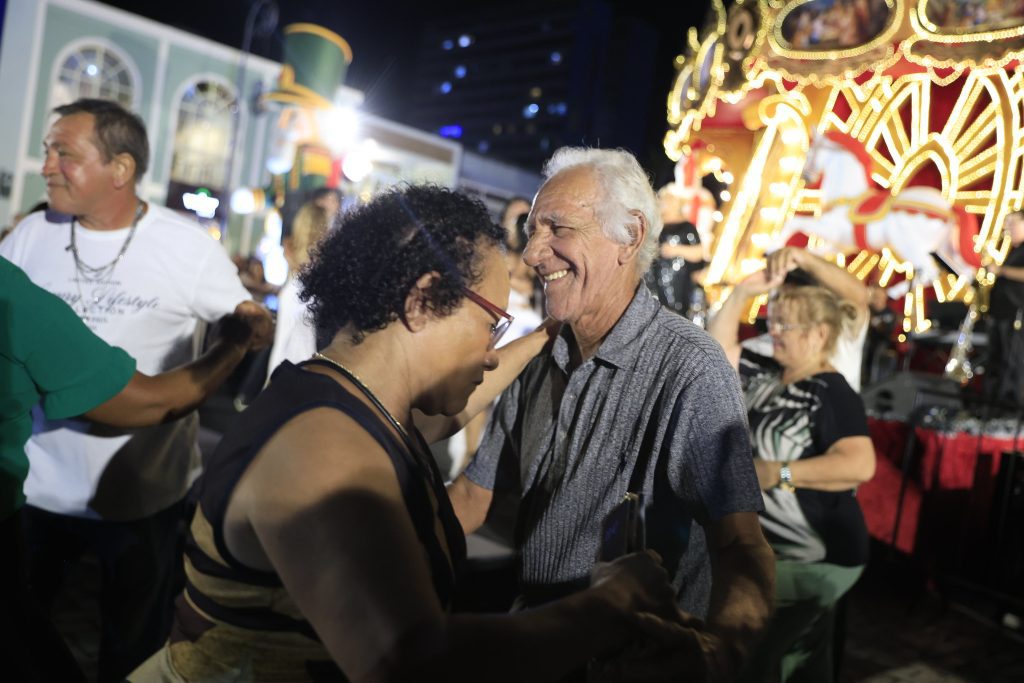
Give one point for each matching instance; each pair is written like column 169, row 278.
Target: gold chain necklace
column 369, row 394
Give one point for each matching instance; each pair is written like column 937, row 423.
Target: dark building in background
column 517, row 86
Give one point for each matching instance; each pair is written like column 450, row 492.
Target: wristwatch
column 786, row 479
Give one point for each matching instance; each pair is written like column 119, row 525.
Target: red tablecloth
column 950, row 486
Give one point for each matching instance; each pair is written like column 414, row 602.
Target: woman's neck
column 795, row 373
column 374, row 363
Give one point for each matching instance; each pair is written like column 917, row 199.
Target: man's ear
column 637, row 234
column 124, row 170
column 417, row 313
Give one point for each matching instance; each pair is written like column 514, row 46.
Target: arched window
column 92, row 69
column 202, row 137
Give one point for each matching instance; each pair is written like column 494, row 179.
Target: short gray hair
column 627, row 190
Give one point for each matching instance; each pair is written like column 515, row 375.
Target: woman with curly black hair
column 324, row 541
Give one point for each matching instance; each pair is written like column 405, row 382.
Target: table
column 950, row 488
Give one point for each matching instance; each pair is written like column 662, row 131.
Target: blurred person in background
column 811, row 450
column 294, row 336
column 674, row 275
column 1005, row 370
column 798, row 266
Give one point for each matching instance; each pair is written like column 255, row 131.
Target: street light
column 261, row 21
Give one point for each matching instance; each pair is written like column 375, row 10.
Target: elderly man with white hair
column 629, row 398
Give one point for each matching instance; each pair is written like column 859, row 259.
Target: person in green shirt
column 49, row 357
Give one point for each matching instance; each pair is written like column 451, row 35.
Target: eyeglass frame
column 775, row 327
column 499, row 328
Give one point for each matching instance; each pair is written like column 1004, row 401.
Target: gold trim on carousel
column 813, row 78
column 779, row 45
column 749, row 63
column 326, row 33
column 924, row 28
column 926, row 32
column 960, row 63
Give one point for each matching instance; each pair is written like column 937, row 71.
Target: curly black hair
column 361, row 272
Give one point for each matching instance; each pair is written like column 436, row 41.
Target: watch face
column 786, row 479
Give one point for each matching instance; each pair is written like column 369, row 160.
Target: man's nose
column 536, row 247
column 49, row 164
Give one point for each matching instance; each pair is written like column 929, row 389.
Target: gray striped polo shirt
column 566, row 443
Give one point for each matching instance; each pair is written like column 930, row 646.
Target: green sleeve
column 73, row 369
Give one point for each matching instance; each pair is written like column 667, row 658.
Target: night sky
column 384, row 35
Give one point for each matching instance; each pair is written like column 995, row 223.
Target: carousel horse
column 914, row 223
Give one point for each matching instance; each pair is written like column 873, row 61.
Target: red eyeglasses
column 505, row 319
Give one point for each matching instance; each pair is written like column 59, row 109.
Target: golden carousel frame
column 930, row 88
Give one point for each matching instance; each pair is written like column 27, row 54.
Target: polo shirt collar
column 617, row 347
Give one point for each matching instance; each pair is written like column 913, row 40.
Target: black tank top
column 228, row 609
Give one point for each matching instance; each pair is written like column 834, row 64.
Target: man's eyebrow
column 548, row 217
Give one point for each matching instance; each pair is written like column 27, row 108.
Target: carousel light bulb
column 791, row 164
column 727, row 177
column 791, row 136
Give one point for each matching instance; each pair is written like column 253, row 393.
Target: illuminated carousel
column 886, row 135
column 915, row 107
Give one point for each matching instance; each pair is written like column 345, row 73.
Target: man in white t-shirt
column 141, row 277
column 846, row 359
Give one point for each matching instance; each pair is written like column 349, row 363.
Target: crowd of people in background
column 564, row 342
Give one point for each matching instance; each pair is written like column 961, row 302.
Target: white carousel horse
column 913, row 223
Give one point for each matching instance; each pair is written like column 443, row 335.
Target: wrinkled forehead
column 573, row 191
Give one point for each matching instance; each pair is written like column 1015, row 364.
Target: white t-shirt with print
column 171, row 275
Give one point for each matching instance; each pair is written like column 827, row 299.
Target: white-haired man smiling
column 630, row 398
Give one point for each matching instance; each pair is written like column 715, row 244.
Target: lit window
column 530, row 110
column 535, row 92
column 445, row 87
column 202, row 138
column 94, row 70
